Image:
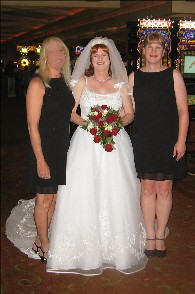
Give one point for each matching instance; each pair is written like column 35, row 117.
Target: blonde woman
column 49, row 103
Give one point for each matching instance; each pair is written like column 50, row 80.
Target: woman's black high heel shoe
column 150, row 252
column 161, row 253
column 37, row 248
column 42, row 257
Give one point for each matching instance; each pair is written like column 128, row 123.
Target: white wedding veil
column 119, row 73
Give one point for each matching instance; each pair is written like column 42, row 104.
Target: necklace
column 102, row 80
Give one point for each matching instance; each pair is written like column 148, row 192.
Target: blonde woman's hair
column 44, row 70
column 151, row 37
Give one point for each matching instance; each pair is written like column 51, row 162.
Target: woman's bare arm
column 77, row 92
column 127, row 107
column 182, row 106
column 131, row 85
column 34, row 101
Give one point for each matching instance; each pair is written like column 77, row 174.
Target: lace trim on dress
column 109, row 247
column 100, row 238
column 89, row 99
column 20, row 227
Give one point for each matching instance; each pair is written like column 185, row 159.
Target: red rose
column 109, row 119
column 106, row 133
column 114, row 117
column 100, row 123
column 93, row 131
column 108, row 147
column 104, row 107
column 99, row 115
column 96, row 139
column 95, row 110
column 95, row 118
column 115, row 131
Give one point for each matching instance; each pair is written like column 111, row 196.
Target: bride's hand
column 43, row 170
column 84, row 122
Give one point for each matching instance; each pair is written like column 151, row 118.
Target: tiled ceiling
column 29, row 22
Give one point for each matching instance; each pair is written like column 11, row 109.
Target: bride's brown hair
column 94, row 49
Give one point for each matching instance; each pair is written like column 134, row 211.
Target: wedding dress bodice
column 90, row 99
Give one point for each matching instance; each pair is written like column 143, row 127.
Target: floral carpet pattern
column 21, row 275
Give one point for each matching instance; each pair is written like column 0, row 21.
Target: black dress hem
column 161, row 176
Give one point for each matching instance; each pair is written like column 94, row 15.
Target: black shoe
column 150, row 252
column 37, row 248
column 42, row 255
column 161, row 253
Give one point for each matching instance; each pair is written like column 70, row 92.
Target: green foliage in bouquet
column 103, row 123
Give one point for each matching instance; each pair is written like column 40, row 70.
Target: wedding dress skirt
column 97, row 222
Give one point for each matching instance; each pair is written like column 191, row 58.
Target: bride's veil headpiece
column 119, row 73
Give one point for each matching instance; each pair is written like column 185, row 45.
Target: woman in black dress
column 49, row 103
column 158, row 136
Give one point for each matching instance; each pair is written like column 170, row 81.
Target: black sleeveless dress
column 58, row 103
column 155, row 127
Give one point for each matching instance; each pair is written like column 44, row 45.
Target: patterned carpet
column 21, row 275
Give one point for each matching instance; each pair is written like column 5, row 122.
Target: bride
column 97, row 222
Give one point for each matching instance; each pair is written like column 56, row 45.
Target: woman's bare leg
column 163, row 209
column 42, row 206
column 51, row 210
column 148, row 204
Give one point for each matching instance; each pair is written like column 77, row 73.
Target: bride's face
column 100, row 60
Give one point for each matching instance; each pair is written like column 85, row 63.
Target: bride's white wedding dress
column 97, row 222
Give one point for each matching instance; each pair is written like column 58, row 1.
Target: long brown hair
column 90, row 71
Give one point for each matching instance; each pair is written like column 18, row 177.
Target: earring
column 45, row 61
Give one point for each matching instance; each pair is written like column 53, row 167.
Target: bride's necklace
column 102, row 80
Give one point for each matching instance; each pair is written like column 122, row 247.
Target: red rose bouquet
column 103, row 123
